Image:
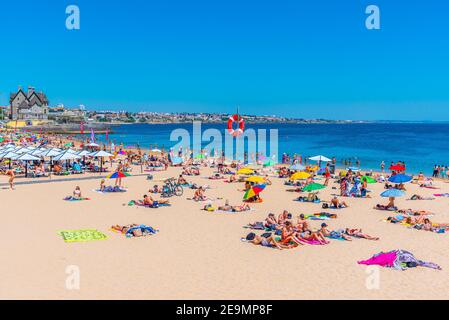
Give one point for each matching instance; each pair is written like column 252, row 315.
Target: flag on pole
column 92, row 135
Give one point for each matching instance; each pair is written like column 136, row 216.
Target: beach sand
column 199, row 254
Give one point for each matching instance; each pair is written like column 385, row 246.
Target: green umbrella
column 313, row 186
column 200, row 156
column 369, row 179
column 269, row 163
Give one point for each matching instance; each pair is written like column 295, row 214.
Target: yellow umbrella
column 300, row 175
column 343, row 173
column 256, row 179
column 245, row 171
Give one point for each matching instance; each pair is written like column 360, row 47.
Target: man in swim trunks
column 335, row 234
column 335, row 202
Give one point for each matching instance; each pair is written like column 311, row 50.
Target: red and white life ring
column 241, row 123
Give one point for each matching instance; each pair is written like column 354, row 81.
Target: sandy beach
column 199, row 254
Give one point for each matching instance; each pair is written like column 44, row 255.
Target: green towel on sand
column 82, row 235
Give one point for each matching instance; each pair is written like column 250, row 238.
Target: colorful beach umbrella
column 245, row 171
column 369, row 179
column 255, row 190
column 256, row 179
column 400, row 178
column 392, row 193
column 313, row 187
column 300, row 175
column 118, row 174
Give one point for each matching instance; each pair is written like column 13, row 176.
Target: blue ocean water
column 420, row 145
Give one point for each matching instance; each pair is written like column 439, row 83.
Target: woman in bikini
column 359, row 234
column 77, row 193
column 119, row 170
column 199, row 195
column 12, row 176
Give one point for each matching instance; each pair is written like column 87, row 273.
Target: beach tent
column 26, row 158
column 156, row 150
column 50, row 153
column 84, row 153
column 10, row 155
column 101, row 154
column 66, row 155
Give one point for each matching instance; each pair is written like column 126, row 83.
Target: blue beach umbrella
column 400, row 178
column 392, row 193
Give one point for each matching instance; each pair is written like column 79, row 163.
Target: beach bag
column 150, row 177
column 325, row 206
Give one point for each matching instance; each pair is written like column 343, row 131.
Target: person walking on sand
column 119, row 170
column 12, row 176
column 327, row 174
column 382, row 166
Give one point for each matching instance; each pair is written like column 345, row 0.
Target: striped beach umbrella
column 118, row 174
column 254, row 191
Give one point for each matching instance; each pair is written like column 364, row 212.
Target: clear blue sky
column 296, row 58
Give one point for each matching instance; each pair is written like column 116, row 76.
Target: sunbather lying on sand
column 411, row 212
column 216, row 176
column 227, row 207
column 269, row 242
column 357, row 233
column 389, row 206
column 418, row 197
column 135, row 230
column 335, row 234
column 149, row 201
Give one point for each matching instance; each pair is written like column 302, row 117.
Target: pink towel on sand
column 382, row 259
